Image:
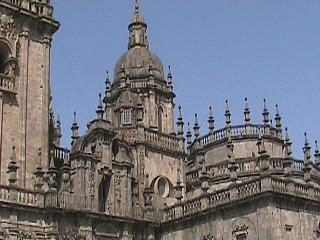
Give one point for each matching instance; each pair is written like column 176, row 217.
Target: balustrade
column 238, row 132
column 39, row 8
column 164, row 141
column 7, row 84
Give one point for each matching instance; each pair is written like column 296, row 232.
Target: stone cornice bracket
column 47, row 40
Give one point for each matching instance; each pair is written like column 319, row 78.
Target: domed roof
column 137, row 63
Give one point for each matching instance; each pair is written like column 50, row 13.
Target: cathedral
column 139, row 172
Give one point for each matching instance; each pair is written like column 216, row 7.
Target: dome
column 137, row 63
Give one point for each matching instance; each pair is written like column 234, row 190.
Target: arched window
column 103, row 194
column 5, row 65
column 160, row 119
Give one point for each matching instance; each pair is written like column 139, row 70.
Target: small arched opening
column 5, row 64
column 104, row 188
column 160, row 119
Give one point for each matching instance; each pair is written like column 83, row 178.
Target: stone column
column 2, row 168
column 23, row 97
column 46, row 92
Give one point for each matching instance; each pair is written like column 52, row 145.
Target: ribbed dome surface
column 137, row 63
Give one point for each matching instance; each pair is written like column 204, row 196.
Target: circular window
column 162, row 187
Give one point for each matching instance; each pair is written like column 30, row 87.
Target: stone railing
column 7, row 84
column 163, row 141
column 20, row 196
column 245, row 168
column 240, row 131
column 66, row 201
column 145, row 84
column 61, row 153
column 240, row 192
column 38, row 8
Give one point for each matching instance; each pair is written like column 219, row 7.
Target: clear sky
column 218, row 50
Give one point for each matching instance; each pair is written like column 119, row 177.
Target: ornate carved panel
column 242, row 229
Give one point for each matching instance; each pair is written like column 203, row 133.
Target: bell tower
column 139, row 80
column 26, row 30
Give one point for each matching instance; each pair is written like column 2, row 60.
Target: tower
column 139, row 76
column 26, row 30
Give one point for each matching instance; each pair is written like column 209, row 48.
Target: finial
column 100, row 111
column 13, row 167
column 13, row 155
column 265, row 113
column 306, row 142
column 306, row 149
column 180, row 124
column 227, row 114
column 278, row 119
column 74, row 129
column 189, row 135
column 75, row 122
column 196, row 127
column 137, row 5
column 211, row 121
column 180, row 113
column 169, row 77
column 246, row 112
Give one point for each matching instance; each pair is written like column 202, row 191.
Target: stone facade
column 133, row 175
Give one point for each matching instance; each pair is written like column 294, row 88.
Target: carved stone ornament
column 241, row 229
column 207, row 237
column 6, row 24
column 7, row 29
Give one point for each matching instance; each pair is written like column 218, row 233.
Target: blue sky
column 218, row 50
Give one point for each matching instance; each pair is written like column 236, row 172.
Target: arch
column 8, row 63
column 160, row 119
column 103, row 193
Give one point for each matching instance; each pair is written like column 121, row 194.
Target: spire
column 265, row 113
column 189, row 135
column 169, row 79
column 137, row 5
column 138, row 29
column 288, row 144
column 108, row 85
column 288, row 160
column 196, row 127
column 227, row 114
column 74, row 129
column 100, row 111
column 306, row 150
column 180, row 124
column 211, row 120
column 247, row 118
column 307, row 159
column 278, row 122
